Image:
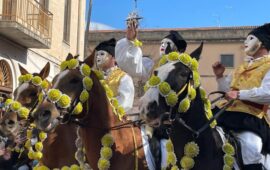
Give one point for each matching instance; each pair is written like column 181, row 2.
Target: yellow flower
column 103, row 164
column 191, row 149
column 192, row 93
column 106, row 152
column 137, row 43
column 226, row 167
column 173, row 56
column 74, row 167
column 63, row 65
column 169, row 146
column 39, row 146
column 187, row 162
column 109, row 93
column 203, row 93
column 99, row 74
column 194, row 65
column 38, row 155
column 36, row 80
column 42, row 136
column 154, row 81
column 8, row 102
column 121, row 111
column 163, row 60
column 184, row 105
column 84, row 96
column 172, row 99
column 185, row 58
column 87, row 83
column 28, row 77
column 24, row 112
column 171, row 158
column 54, row 95
column 85, row 70
column 15, row 106
column 64, row 101
column 164, row 88
column 174, row 167
column 228, row 160
column 30, row 154
column 114, row 102
column 196, row 79
column 73, row 63
column 28, row 144
column 78, row 109
column 44, row 84
column 228, row 149
column 65, row 168
column 29, row 134
column 145, row 87
column 40, row 97
column 107, row 140
column 21, row 79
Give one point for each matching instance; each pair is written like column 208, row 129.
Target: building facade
column 223, row 44
column 34, row 32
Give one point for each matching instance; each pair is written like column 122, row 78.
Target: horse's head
column 68, row 82
column 170, row 84
column 27, row 92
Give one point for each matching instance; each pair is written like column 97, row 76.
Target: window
column 227, row 60
column 67, row 14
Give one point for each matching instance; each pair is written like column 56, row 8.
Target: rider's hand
column 218, row 69
column 232, row 95
column 131, row 31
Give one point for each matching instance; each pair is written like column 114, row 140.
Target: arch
column 6, row 80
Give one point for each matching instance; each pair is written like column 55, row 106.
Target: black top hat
column 108, row 46
column 178, row 40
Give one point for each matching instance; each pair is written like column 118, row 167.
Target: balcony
column 26, row 22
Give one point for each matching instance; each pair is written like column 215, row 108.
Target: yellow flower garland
column 16, row 106
column 105, row 152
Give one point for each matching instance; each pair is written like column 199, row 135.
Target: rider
column 118, row 80
column 129, row 57
column 249, row 87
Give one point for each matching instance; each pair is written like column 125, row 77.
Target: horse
column 96, row 119
column 54, row 148
column 184, row 126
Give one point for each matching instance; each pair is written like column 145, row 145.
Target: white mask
column 164, row 45
column 252, row 44
column 102, row 58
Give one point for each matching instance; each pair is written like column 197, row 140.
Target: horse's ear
column 76, row 56
column 44, row 73
column 69, row 57
column 23, row 70
column 197, row 52
column 90, row 59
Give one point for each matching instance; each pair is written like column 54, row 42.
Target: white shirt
column 259, row 95
column 126, row 91
column 130, row 59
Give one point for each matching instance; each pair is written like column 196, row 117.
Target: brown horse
column 98, row 119
column 56, row 153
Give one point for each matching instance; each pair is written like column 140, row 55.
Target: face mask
column 102, row 58
column 166, row 46
column 252, row 44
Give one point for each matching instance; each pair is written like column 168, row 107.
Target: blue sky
column 183, row 13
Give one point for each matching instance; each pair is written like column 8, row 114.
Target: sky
column 182, row 13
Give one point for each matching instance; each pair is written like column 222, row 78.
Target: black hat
column 178, row 40
column 108, row 46
column 263, row 34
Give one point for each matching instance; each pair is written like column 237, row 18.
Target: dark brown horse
column 56, row 153
column 154, row 108
column 98, row 119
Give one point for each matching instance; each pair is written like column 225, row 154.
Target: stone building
column 34, row 32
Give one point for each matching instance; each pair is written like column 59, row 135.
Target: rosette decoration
column 105, row 152
column 35, row 80
column 15, row 106
column 228, row 157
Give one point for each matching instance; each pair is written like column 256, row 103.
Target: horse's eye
column 155, row 72
column 32, row 94
column 10, row 122
column 74, row 81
